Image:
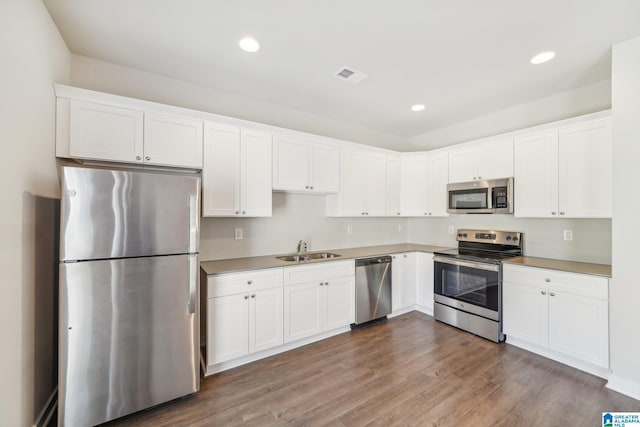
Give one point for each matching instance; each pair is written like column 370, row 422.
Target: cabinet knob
column 244, row 212
column 246, row 297
column 311, row 187
column 553, row 212
column 429, row 213
column 543, row 292
column 547, row 280
column 326, row 283
column 425, row 213
column 237, row 212
column 249, row 282
column 552, row 294
column 321, row 283
column 398, row 213
column 253, row 295
column 475, row 177
column 561, row 213
column 405, row 255
column 147, row 158
column 393, row 257
column 479, row 177
column 306, row 186
column 138, row 158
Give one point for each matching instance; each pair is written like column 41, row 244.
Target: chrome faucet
column 302, row 246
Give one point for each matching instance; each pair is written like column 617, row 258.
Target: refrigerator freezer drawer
column 128, row 336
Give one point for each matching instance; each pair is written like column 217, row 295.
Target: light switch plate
column 349, row 229
column 450, row 229
column 568, row 235
column 238, row 234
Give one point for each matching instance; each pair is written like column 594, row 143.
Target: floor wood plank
column 410, row 370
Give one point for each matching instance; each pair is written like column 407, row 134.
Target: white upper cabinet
column 102, row 132
column 172, row 141
column 565, row 172
column 424, row 184
column 414, row 185
column 486, row 160
column 394, row 186
column 110, row 133
column 303, row 166
column 362, row 185
column 236, row 177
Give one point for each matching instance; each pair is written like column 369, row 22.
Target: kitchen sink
column 307, row 257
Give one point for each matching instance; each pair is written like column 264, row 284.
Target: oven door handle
column 470, row 264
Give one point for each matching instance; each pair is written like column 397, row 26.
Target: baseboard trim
column 624, row 386
column 48, row 410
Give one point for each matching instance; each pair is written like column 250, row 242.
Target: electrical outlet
column 451, row 230
column 349, row 229
column 399, row 228
column 568, row 235
column 238, row 234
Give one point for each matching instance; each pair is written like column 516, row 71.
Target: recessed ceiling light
column 543, row 57
column 417, row 107
column 249, row 44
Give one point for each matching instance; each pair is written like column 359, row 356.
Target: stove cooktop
column 489, row 246
column 479, row 255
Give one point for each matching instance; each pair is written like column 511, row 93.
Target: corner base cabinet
column 560, row 315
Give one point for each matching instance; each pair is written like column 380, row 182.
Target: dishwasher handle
column 376, row 260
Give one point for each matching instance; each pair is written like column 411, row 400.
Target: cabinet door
column 393, row 183
column 397, row 281
column 303, row 311
column 525, row 313
column 495, row 159
column 437, row 178
column 227, row 328
column 340, row 302
column 375, row 184
column 352, row 183
column 424, row 277
column 414, row 186
column 463, row 166
column 409, row 298
column 102, row 132
column 290, row 164
column 265, row 319
column 172, row 141
column 221, row 171
column 255, row 190
column 585, row 170
column 536, row 175
column 325, row 168
column 578, row 327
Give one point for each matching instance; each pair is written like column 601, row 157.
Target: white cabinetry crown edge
column 64, row 92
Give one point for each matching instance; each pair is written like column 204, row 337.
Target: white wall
column 583, row 100
column 89, row 73
column 542, row 237
column 295, row 217
column 624, row 295
column 33, row 57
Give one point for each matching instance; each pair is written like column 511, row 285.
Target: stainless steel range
column 468, row 281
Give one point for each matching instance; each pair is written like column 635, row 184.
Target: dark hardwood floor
column 410, row 370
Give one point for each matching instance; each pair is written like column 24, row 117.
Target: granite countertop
column 233, row 265
column 568, row 266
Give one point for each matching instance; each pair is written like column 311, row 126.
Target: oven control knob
column 464, row 235
column 515, row 238
column 508, row 238
column 459, row 234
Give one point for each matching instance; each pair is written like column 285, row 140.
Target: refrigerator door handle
column 193, row 224
column 193, row 282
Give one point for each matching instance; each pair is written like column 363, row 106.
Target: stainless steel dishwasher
column 373, row 288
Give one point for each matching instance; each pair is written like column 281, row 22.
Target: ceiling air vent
column 350, row 75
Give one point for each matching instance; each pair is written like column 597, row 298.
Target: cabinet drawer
column 237, row 283
column 318, row 272
column 560, row 281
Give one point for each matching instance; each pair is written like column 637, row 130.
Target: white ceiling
column 462, row 58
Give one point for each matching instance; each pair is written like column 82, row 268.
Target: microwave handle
column 470, row 264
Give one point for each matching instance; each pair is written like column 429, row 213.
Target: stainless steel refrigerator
column 129, row 292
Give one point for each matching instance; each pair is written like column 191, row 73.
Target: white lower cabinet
column 403, row 282
column 558, row 314
column 318, row 298
column 424, row 282
column 244, row 314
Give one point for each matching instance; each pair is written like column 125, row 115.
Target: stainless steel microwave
column 484, row 196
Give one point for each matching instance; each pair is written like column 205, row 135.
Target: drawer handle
column 246, row 297
column 547, row 280
column 553, row 294
column 249, row 282
column 543, row 292
column 253, row 295
column 321, row 283
column 326, row 283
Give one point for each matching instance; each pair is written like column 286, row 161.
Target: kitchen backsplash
column 298, row 216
